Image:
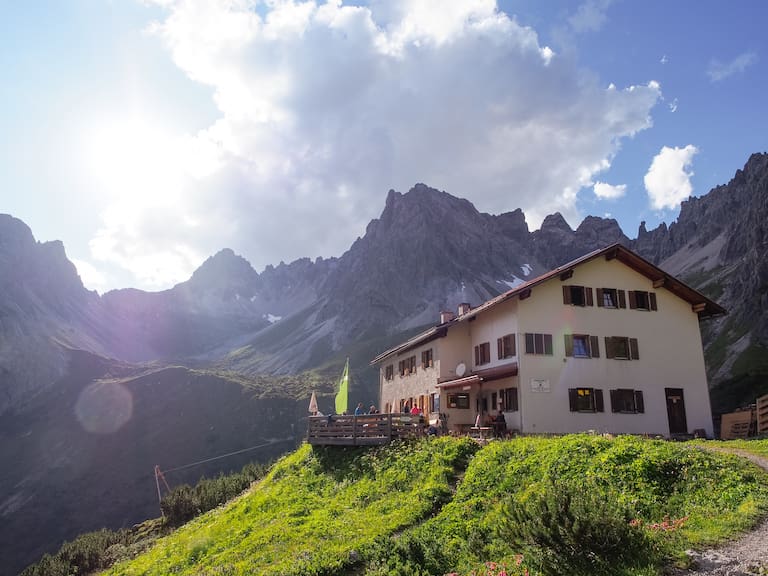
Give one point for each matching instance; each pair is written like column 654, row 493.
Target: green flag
column 341, row 396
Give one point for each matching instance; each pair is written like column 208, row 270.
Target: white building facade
column 608, row 342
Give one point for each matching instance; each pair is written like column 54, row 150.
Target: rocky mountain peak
column 226, row 274
column 41, row 268
column 514, row 225
column 15, row 235
column 595, row 232
column 555, row 223
column 420, row 207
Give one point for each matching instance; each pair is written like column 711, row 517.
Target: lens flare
column 104, row 407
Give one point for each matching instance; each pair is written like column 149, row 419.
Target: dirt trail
column 746, row 556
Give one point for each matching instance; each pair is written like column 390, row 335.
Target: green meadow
column 577, row 504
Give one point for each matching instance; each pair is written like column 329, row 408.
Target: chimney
column 464, row 307
column 446, row 316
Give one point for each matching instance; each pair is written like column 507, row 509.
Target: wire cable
column 226, row 455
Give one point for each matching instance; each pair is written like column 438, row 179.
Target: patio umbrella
column 477, row 421
column 313, row 404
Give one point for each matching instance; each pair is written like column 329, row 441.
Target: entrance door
column 676, row 411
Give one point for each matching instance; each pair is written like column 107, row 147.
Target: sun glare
column 136, row 162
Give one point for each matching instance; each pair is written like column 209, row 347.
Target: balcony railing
column 364, row 430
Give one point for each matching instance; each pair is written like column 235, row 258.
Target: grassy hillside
column 446, row 504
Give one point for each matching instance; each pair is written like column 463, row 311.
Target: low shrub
column 185, row 502
column 577, row 529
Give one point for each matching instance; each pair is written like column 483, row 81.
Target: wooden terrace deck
column 364, row 430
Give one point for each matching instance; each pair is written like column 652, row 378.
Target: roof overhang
column 459, row 382
column 498, row 372
column 700, row 304
column 480, row 376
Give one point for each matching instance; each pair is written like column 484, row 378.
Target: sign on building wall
column 539, row 385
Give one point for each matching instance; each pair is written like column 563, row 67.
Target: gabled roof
column 700, row 304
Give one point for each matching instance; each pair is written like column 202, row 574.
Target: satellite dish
column 461, row 369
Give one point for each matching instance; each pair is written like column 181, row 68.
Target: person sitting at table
column 499, row 425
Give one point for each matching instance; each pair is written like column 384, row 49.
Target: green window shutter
column 594, row 347
column 622, row 299
column 599, row 406
column 548, row 344
column 529, row 348
column 632, row 300
column 633, row 350
column 609, row 349
column 568, row 344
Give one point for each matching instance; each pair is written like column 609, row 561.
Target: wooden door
column 676, row 411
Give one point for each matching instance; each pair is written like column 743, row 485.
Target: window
column 639, row 300
column 621, row 348
column 426, row 358
column 509, row 399
column 611, row 298
column 389, row 372
column 506, row 346
column 434, row 405
column 627, row 401
column 581, row 346
column 460, row 401
column 585, row 399
column 407, row 366
column 538, row 344
column 482, row 353
column 577, row 295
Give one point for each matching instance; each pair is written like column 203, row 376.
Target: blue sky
column 147, row 135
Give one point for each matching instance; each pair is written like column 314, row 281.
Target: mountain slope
column 83, row 454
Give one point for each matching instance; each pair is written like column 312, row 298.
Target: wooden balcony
column 364, row 430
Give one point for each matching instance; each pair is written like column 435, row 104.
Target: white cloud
column 324, row 107
column 718, row 71
column 664, row 59
column 668, row 180
column 608, row 191
column 590, row 16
